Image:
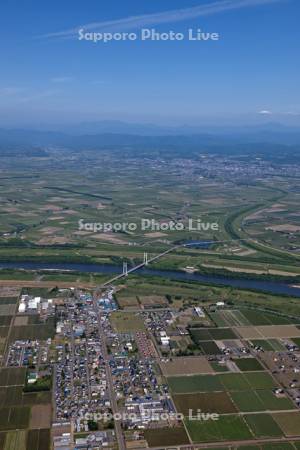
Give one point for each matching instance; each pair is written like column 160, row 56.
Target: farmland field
column 230, row 427
column 166, row 436
column 186, row 366
column 209, row 334
column 38, row 439
column 14, row 418
column 288, row 422
column 217, row 402
column 200, row 383
column 12, row 376
column 219, row 382
column 248, row 364
column 269, row 344
column 15, row 440
column 263, row 425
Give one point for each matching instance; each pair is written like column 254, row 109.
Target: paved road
column 113, row 401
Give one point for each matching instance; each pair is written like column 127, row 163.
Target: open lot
column 269, row 331
column 185, row 366
column 166, row 437
column 40, row 416
column 21, row 320
column 289, row 423
column 126, row 322
column 152, row 301
column 217, row 402
column 128, row 302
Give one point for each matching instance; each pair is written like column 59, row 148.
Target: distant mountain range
column 115, row 134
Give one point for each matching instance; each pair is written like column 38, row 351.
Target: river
column 272, row 287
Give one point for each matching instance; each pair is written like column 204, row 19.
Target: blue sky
column 48, row 79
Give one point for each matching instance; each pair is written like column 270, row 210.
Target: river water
column 273, row 287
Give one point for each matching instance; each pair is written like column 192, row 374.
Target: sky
column 250, row 75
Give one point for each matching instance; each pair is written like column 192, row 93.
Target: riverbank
column 273, row 287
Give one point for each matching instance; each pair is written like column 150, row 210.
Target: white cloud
column 265, row 112
column 176, row 15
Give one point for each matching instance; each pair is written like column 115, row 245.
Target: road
column 112, row 397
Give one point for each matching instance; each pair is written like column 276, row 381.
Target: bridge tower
column 125, row 269
column 146, row 259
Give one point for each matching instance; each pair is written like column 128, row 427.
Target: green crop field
column 234, row 381
column 230, row 427
column 248, row 364
column 260, row 380
column 195, row 383
column 14, row 418
column 222, row 381
column 272, row 402
column 269, row 344
column 263, row 425
column 247, row 401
